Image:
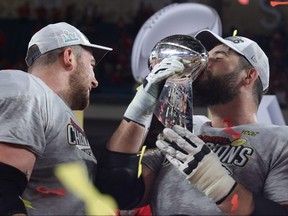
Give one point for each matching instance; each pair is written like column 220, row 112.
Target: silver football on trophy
column 191, row 52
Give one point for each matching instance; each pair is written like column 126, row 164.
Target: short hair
column 51, row 56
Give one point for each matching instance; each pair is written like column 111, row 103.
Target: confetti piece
column 233, row 133
column 276, row 3
column 234, row 203
column 140, row 165
column 75, row 178
column 27, row 203
column 227, row 122
column 243, row 2
column 229, row 130
column 43, row 190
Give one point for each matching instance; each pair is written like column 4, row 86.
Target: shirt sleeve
column 276, row 184
column 22, row 121
column 153, row 159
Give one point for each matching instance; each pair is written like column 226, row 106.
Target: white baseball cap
column 242, row 45
column 58, row 35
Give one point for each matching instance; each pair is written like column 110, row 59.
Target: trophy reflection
column 175, row 104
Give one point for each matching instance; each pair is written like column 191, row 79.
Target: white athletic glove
column 200, row 165
column 141, row 108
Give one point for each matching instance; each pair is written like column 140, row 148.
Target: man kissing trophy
column 175, row 105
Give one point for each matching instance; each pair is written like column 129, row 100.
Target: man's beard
column 78, row 96
column 215, row 90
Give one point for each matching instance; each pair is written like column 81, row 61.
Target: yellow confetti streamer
column 26, row 203
column 140, row 165
column 75, row 178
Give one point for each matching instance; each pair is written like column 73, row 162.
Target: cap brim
column 99, row 52
column 98, row 47
column 209, row 39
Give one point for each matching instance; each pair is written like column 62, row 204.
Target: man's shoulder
column 271, row 127
column 21, row 81
column 270, row 131
column 13, row 74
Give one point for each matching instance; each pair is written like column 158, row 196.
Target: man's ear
column 68, row 58
column 251, row 76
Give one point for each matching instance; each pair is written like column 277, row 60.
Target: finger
column 176, row 153
column 169, row 68
column 164, row 70
column 172, row 136
column 177, row 65
column 171, row 58
column 173, row 62
column 165, row 73
column 181, row 156
column 168, row 149
column 160, row 73
column 174, row 161
column 165, row 148
column 190, row 137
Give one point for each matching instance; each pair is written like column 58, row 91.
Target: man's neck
column 233, row 114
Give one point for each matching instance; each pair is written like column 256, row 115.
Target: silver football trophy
column 175, row 105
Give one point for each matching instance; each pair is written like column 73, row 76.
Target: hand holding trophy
column 175, row 104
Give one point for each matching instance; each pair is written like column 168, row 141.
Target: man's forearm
column 128, row 137
column 239, row 202
column 243, row 202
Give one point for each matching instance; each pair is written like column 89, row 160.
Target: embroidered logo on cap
column 235, row 40
column 253, row 58
column 69, row 36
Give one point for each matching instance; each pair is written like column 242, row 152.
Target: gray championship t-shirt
column 32, row 115
column 256, row 156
